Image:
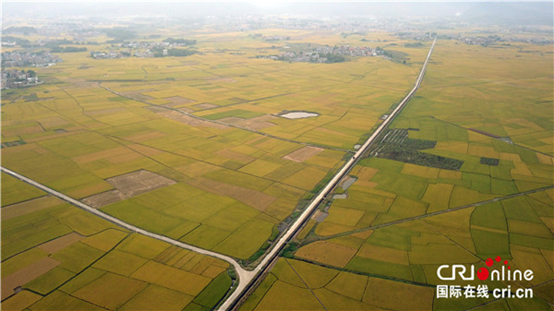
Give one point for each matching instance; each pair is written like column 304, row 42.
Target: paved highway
column 245, row 277
column 237, row 294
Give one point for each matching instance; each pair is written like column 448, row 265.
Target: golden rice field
column 470, row 104
column 230, row 168
column 71, row 260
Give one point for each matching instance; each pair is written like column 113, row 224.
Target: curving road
column 242, row 274
column 245, row 277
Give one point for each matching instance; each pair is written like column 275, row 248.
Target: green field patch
column 120, row 262
column 490, row 216
column 377, row 267
column 306, row 179
column 165, row 197
column 194, row 307
column 500, row 186
column 394, row 237
column 142, row 246
column 463, row 196
column 296, row 298
column 246, row 240
column 286, row 170
column 240, row 179
column 171, row 278
column 110, row 290
column 502, row 171
column 393, row 295
column 259, row 167
column 531, row 241
column 440, row 254
column 518, row 208
column 20, row 301
column 22, row 260
column 49, row 281
column 81, row 221
column 314, row 276
column 205, row 236
column 327, row 253
column 535, row 303
column 82, row 279
column 232, row 217
column 77, row 256
column 214, row 292
column 349, row 285
column 61, row 301
column 478, row 182
column 144, row 217
column 18, row 235
column 344, row 216
column 285, row 273
column 405, row 208
column 259, row 293
column 238, row 113
column 491, row 244
column 15, row 190
column 529, row 228
column 385, row 164
column 411, row 187
column 395, row 144
column 334, row 301
column 105, row 240
column 154, row 298
column 438, row 196
column 200, row 208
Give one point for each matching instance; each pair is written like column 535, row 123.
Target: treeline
column 24, row 30
column 119, row 34
column 67, row 49
column 18, row 41
column 413, row 45
column 180, row 41
column 333, row 58
column 158, row 52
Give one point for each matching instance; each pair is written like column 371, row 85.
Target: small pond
column 299, row 114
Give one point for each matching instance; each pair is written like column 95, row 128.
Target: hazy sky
column 507, row 10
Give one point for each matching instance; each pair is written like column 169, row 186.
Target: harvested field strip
column 27, row 274
column 303, row 154
column 27, row 207
column 61, row 242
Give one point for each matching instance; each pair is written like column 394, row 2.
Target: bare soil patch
column 179, row 117
column 178, row 100
column 138, row 95
column 61, row 242
column 303, row 154
column 127, row 186
column 138, row 182
column 24, row 208
column 255, row 124
column 205, row 106
column 27, row 274
column 157, row 109
column 104, row 198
